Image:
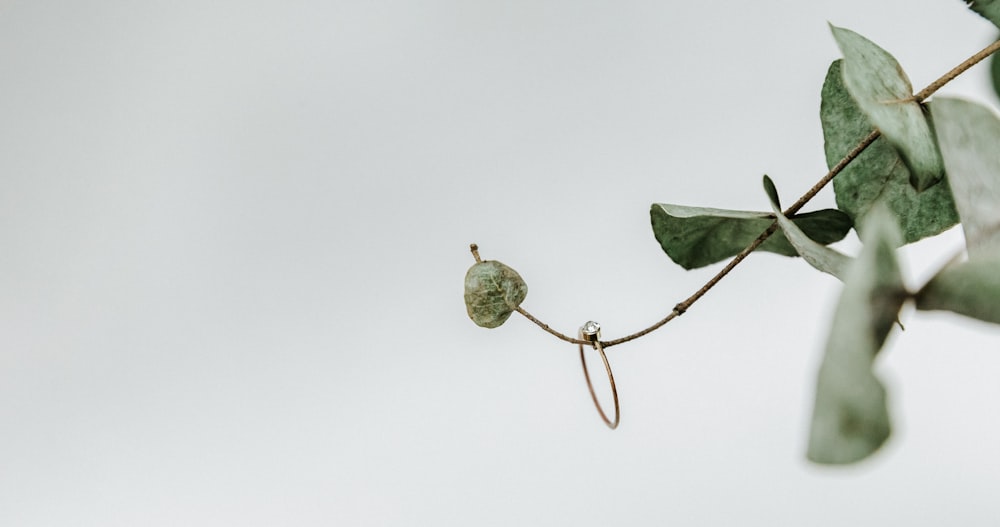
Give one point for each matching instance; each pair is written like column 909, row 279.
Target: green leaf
column 989, row 9
column 969, row 288
column 969, row 135
column 819, row 256
column 697, row 236
column 877, row 82
column 850, row 418
column 995, row 73
column 492, row 292
column 878, row 174
column 772, row 193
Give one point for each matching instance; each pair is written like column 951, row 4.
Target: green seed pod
column 492, row 292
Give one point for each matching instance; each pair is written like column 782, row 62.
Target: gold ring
column 591, row 332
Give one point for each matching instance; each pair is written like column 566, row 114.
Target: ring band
column 591, row 332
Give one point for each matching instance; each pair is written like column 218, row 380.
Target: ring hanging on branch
column 493, row 291
column 591, row 332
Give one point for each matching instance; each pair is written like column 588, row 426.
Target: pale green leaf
column 989, row 9
column 698, row 236
column 878, row 174
column 969, row 288
column 969, row 135
column 819, row 256
column 850, row 418
column 492, row 292
column 877, row 82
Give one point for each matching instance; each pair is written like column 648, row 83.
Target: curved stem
column 684, row 305
column 546, row 327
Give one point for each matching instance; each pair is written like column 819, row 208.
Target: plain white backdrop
column 233, row 237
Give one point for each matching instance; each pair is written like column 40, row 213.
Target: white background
column 233, row 237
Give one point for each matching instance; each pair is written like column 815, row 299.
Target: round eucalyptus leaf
column 883, row 92
column 698, row 236
column 850, row 415
column 492, row 292
column 969, row 133
column 879, row 173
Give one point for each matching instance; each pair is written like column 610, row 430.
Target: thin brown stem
column 956, row 71
column 838, row 168
column 546, row 327
column 684, row 305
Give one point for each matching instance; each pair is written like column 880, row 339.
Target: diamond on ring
column 591, row 331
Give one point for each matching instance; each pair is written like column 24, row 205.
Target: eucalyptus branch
column 681, row 307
